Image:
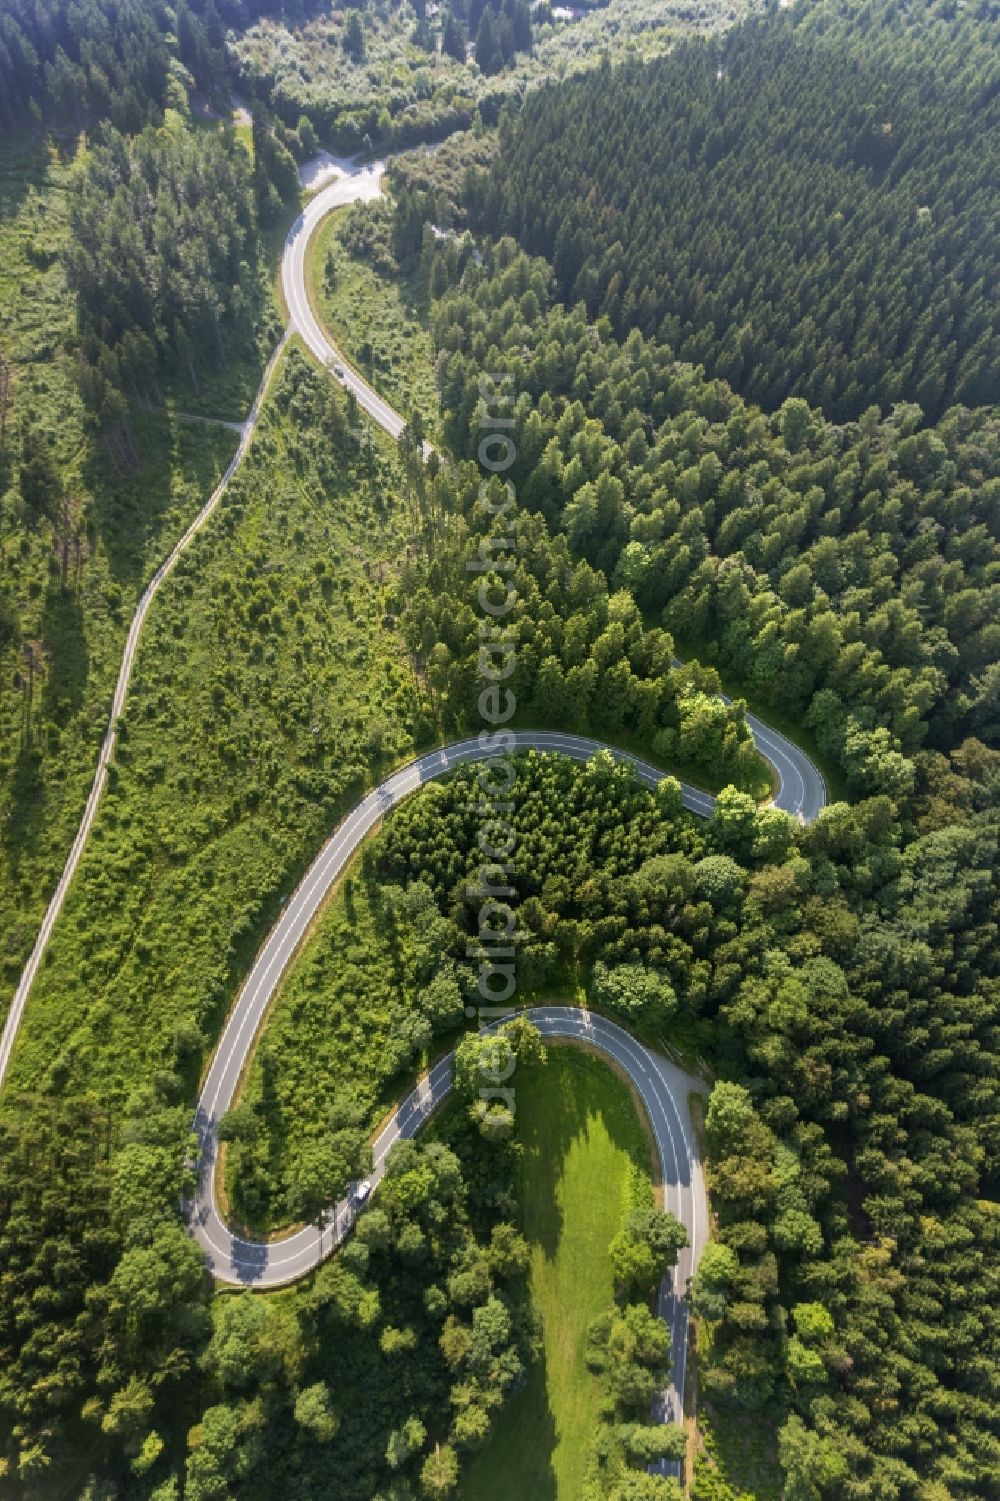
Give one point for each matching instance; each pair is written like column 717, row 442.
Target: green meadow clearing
column 586, row 1160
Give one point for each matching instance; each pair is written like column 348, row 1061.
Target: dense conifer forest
column 162, row 259
column 806, row 205
column 850, row 1144
column 72, row 63
column 845, row 980
column 846, row 575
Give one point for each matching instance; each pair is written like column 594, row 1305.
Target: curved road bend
column 360, row 186
column 800, row 790
column 663, row 1089
column 242, row 1260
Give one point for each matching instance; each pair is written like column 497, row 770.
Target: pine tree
column 453, row 39
column 488, row 53
column 354, row 38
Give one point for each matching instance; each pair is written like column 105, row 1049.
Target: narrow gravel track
column 16, row 1012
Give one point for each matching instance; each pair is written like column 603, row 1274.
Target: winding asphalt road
column 800, row 789
column 360, row 186
column 663, row 1087
column 231, row 1258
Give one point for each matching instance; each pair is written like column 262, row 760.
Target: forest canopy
column 163, row 255
column 846, row 574
column 745, row 303
column 70, row 64
column 806, row 205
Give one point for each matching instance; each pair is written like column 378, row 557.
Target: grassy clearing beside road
column 586, row 1155
column 737, row 1455
column 375, row 319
